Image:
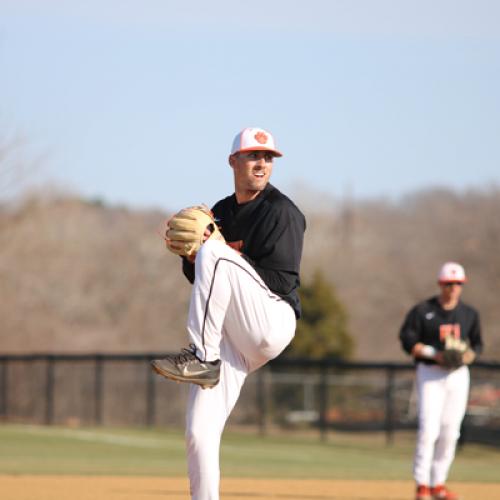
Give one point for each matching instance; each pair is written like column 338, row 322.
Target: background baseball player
column 443, row 335
column 244, row 301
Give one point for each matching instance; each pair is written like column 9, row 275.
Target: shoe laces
column 187, row 355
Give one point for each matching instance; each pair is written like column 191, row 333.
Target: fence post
column 150, row 395
column 49, row 391
column 98, row 390
column 262, row 397
column 389, row 406
column 323, row 403
column 3, row 389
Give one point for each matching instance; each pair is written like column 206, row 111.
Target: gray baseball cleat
column 188, row 367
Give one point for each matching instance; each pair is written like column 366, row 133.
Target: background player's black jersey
column 430, row 324
column 269, row 231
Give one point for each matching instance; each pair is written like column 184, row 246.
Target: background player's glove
column 453, row 354
column 188, row 229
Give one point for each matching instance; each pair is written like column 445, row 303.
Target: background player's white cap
column 452, row 271
column 254, row 139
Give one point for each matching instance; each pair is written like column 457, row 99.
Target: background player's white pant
column 234, row 317
column 442, row 401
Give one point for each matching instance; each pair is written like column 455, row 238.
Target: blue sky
column 137, row 103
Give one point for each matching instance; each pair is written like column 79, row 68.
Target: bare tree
column 15, row 168
column 80, row 276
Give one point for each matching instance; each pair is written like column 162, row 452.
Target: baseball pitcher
column 243, row 259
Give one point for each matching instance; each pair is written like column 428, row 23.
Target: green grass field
column 160, row 452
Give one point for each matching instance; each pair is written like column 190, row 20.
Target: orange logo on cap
column 260, row 137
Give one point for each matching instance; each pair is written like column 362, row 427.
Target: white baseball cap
column 452, row 271
column 254, row 139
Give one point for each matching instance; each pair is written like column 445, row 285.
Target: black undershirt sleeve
column 408, row 334
column 188, row 270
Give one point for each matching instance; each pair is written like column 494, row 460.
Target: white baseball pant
column 234, row 317
column 442, row 402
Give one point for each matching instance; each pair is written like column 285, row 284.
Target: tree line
column 77, row 275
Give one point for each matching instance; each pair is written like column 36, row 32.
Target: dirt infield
column 150, row 488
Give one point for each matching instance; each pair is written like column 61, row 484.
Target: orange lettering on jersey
column 237, row 245
column 451, row 330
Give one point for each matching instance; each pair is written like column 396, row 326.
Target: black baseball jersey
column 430, row 324
column 269, row 231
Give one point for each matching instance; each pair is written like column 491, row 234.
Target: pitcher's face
column 252, row 170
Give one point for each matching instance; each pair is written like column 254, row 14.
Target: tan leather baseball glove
column 453, row 354
column 188, row 229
